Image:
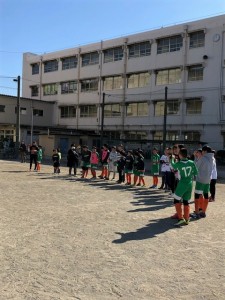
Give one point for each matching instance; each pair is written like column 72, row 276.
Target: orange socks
column 186, row 212
column 178, row 207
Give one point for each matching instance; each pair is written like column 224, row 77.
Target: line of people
column 177, row 169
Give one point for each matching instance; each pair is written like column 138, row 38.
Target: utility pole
column 102, row 119
column 165, row 118
column 18, row 114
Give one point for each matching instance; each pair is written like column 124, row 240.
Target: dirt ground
column 67, row 238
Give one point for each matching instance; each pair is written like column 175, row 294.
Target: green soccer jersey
column 155, row 164
column 186, row 168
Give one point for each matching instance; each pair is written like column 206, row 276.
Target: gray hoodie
column 205, row 166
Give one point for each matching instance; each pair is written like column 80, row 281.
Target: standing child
column 113, row 156
column 85, row 158
column 141, row 168
column 121, row 165
column 155, row 168
column 55, row 160
column 104, row 160
column 94, row 162
column 39, row 158
column 187, row 170
column 129, row 165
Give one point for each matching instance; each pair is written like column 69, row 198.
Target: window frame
column 87, row 113
column 137, row 51
column 169, row 44
column 51, row 66
column 110, row 113
column 168, row 74
column 139, row 80
column 195, row 73
column 195, row 40
column 53, row 89
column 86, row 85
column 89, row 59
column 69, row 112
column 159, row 112
column 138, row 109
column 195, row 110
column 69, row 62
column 116, row 81
column 35, row 68
column 34, row 90
column 72, row 87
column 113, row 54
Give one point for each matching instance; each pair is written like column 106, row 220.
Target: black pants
column 121, row 174
column 33, row 158
column 213, row 188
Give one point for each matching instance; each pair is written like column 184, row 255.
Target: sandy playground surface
column 66, row 238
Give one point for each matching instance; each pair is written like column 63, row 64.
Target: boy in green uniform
column 155, row 168
column 187, row 170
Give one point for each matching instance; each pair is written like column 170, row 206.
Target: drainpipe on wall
column 184, row 78
column 78, row 85
column 222, row 67
column 124, row 87
column 41, row 67
column 100, row 86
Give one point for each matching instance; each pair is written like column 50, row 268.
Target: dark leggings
column 33, row 158
column 213, row 188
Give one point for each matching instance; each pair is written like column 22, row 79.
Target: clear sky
column 41, row 26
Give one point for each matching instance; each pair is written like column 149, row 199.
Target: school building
column 116, row 89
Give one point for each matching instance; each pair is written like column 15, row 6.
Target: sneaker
column 202, row 214
column 101, row 177
column 195, row 215
column 181, row 222
column 153, row 186
column 187, row 221
column 106, row 178
column 160, row 188
column 143, row 185
column 138, row 184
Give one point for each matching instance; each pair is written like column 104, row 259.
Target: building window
column 136, row 135
column 88, row 111
column 197, row 39
column 90, row 59
column 138, row 80
column 112, row 83
column 170, row 135
column 35, row 69
column 50, row 66
column 137, row 109
column 69, row 63
column 113, row 135
column 68, row 87
column 113, row 54
column 50, row 89
column 2, row 108
column 34, row 91
column 112, row 110
column 193, row 106
column 138, row 50
column 172, row 107
column 23, row 110
column 170, row 44
column 192, row 136
column 68, row 112
column 38, row 112
column 195, row 73
column 89, row 85
column 169, row 76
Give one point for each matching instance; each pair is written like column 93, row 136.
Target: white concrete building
column 131, row 74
